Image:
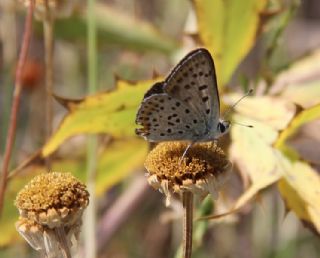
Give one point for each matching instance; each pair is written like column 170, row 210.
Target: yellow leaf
column 252, row 148
column 110, row 112
column 254, row 155
column 274, row 111
column 306, row 94
column 118, row 161
column 228, row 29
column 302, row 118
column 300, row 188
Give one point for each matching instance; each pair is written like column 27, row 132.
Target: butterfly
column 185, row 106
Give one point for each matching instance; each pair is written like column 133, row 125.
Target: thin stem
column 48, row 24
column 274, row 236
column 187, row 201
column 15, row 103
column 92, row 48
column 90, row 214
column 90, row 218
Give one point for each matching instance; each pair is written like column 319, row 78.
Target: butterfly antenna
column 250, row 126
column 227, row 112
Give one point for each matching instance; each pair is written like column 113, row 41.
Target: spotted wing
column 165, row 118
column 193, row 81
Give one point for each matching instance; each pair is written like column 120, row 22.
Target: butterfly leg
column 185, row 151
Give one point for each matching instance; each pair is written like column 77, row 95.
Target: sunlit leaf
column 228, row 28
column 302, row 118
column 253, row 154
column 265, row 162
column 111, row 112
column 305, row 94
column 273, row 111
column 252, row 148
column 116, row 162
column 300, row 190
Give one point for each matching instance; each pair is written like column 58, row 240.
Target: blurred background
column 137, row 41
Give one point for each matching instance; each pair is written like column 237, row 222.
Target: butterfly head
column 223, row 127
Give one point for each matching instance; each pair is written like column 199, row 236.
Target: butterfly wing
column 165, row 118
column 194, row 82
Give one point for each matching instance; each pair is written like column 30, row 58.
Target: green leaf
column 116, row 28
column 228, row 28
column 110, row 112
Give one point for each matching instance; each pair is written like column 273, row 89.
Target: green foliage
column 117, row 29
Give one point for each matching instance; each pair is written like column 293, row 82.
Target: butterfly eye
column 221, row 127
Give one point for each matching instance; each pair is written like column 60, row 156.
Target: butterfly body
column 186, row 105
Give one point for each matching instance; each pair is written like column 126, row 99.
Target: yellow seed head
column 203, row 170
column 49, row 203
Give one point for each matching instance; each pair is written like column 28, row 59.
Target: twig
column 187, row 201
column 15, row 103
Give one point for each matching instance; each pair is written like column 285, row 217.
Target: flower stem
column 15, row 103
column 187, row 201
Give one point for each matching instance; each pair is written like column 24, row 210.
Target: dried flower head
column 57, row 8
column 203, row 170
column 51, row 206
